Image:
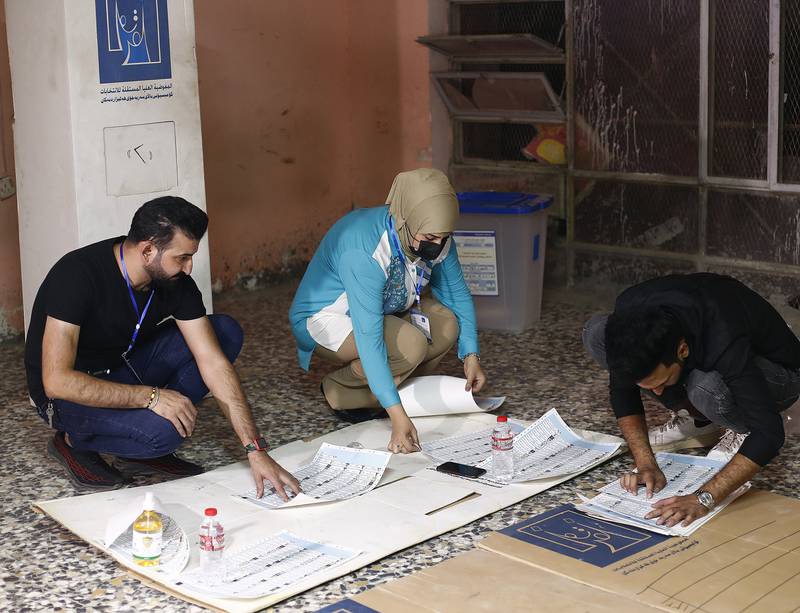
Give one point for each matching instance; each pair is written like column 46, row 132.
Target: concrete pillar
column 107, row 117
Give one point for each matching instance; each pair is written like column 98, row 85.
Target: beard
column 159, row 276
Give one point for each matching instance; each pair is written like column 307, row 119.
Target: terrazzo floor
column 45, row 567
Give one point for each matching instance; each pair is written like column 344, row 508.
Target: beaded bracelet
column 471, row 354
column 154, row 396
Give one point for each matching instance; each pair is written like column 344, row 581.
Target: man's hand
column 650, row 476
column 404, row 435
column 178, row 409
column 264, row 467
column 671, row 511
column 474, row 374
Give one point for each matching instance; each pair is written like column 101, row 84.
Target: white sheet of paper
column 442, row 395
column 174, row 548
column 335, row 473
column 685, row 474
column 471, row 449
column 175, row 544
column 366, row 524
column 267, row 567
column 421, row 496
column 549, row 448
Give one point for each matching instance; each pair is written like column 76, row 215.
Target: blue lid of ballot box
column 502, row 203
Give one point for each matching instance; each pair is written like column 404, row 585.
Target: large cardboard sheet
column 746, row 559
column 392, row 517
column 479, row 581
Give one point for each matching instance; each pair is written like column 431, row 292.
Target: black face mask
column 428, row 250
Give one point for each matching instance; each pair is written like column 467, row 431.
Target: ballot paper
column 545, row 449
column 335, row 473
column 442, row 395
column 266, row 567
column 685, row 474
column 174, row 548
column 470, row 449
column 174, row 542
column 549, row 448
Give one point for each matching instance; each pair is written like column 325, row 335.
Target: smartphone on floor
column 461, row 470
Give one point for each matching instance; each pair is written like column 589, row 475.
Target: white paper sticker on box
column 477, row 252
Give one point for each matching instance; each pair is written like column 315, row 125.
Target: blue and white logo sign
column 133, row 40
column 570, row 533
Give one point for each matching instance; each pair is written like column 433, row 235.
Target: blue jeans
column 164, row 361
column 706, row 392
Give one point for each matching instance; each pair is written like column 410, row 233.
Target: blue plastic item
column 502, row 203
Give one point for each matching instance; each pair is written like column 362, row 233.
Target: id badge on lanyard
column 418, row 318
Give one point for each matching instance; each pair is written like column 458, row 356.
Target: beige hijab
column 422, row 201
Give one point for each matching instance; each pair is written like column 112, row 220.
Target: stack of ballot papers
column 685, row 474
column 335, row 473
column 267, row 567
column 545, row 449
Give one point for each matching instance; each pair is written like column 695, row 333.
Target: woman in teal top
column 363, row 304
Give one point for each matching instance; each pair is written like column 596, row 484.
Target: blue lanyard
column 133, row 300
column 420, row 273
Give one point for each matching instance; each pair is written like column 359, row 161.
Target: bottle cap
column 210, row 512
column 502, row 419
column 149, row 503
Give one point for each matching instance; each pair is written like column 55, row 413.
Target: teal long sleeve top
column 355, row 278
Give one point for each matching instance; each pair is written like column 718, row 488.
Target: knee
column 229, row 334
column 448, row 327
column 710, row 395
column 163, row 439
column 594, row 338
column 412, row 346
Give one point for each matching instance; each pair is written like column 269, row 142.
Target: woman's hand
column 404, row 434
column 476, row 378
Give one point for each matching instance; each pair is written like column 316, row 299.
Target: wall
column 10, row 275
column 309, row 109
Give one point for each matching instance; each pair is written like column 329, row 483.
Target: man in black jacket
column 707, row 344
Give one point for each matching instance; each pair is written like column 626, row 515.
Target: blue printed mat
column 595, row 541
column 346, row 606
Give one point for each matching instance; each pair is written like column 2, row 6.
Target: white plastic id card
column 421, row 321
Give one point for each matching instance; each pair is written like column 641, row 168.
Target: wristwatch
column 706, row 499
column 258, row 444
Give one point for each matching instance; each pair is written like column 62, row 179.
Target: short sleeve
column 69, row 292
column 190, row 301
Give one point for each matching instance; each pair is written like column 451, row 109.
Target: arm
column 750, row 395
column 626, row 401
column 449, row 288
column 62, row 381
column 634, row 429
column 686, row 509
column 363, row 282
column 223, row 382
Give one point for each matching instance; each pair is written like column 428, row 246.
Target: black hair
column 158, row 219
column 638, row 339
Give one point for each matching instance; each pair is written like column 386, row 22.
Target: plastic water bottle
column 147, row 534
column 502, row 450
column 212, row 542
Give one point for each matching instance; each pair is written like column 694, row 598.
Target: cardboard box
column 746, row 559
column 481, row 580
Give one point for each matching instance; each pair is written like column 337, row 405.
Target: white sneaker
column 680, row 432
column 728, row 446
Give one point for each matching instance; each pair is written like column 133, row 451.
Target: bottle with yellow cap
column 147, row 534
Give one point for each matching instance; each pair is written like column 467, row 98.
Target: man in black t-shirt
column 708, row 345
column 119, row 350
